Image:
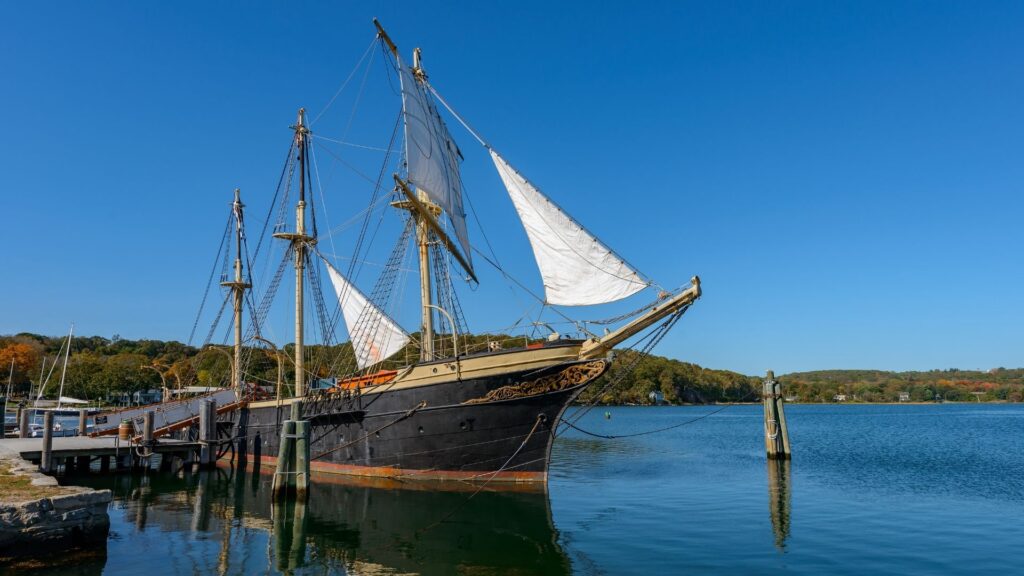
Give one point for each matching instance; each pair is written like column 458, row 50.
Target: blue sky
column 846, row 178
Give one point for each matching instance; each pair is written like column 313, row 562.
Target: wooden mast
column 238, row 286
column 423, row 243
column 300, row 241
column 422, row 209
column 426, row 214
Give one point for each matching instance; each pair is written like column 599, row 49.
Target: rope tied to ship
column 650, row 341
column 540, row 418
column 407, row 414
column 655, row 431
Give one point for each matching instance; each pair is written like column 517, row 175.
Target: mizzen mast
column 300, row 242
column 238, row 287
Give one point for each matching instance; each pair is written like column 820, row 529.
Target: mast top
column 417, row 68
column 300, row 126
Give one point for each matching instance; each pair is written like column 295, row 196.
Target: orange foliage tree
column 26, row 361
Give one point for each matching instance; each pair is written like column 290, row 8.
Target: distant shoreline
column 800, row 404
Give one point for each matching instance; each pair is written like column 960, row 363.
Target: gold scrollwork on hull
column 566, row 378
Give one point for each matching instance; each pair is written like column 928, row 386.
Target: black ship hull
column 497, row 427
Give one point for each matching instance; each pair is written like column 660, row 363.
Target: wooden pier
column 78, row 452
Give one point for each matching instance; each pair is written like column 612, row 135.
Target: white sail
column 577, row 268
column 432, row 156
column 375, row 336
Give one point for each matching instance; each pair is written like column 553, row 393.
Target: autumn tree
column 24, row 357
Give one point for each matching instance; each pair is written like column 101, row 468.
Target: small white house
column 904, row 396
column 656, row 398
column 839, row 398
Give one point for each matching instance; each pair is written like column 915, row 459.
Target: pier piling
column 23, row 424
column 284, row 479
column 46, row 459
column 207, row 433
column 147, row 434
column 83, row 416
column 302, row 459
column 776, row 433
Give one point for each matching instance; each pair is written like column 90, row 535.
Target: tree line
column 98, row 367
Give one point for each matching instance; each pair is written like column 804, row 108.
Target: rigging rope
column 536, row 424
column 665, row 429
column 345, row 83
column 653, row 338
column 209, row 283
column 407, row 414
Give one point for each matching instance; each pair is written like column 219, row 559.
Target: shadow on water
column 225, row 522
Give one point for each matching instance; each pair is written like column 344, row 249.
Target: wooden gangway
column 168, row 416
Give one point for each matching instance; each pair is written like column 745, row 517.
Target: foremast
column 428, row 229
column 300, row 243
column 238, row 287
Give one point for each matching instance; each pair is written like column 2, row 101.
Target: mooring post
column 297, row 410
column 83, row 416
column 783, row 427
column 46, row 461
column 302, row 459
column 241, row 437
column 18, row 418
column 284, row 480
column 147, row 434
column 776, row 434
column 207, row 432
column 23, row 424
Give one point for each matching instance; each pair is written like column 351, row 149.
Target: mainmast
column 423, row 243
column 420, row 206
column 238, row 287
column 300, row 242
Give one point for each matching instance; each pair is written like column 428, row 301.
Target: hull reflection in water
column 225, row 522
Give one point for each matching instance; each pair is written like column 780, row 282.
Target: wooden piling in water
column 207, row 433
column 83, row 416
column 776, row 433
column 302, row 428
column 46, row 459
column 284, row 479
column 241, row 437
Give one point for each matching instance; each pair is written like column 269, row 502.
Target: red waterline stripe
column 391, row 472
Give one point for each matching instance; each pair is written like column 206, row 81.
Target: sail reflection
column 779, row 500
column 225, row 522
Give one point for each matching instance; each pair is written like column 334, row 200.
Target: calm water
column 871, row 490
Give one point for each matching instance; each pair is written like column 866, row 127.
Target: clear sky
column 846, row 178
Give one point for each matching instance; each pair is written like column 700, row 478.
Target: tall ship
column 478, row 412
